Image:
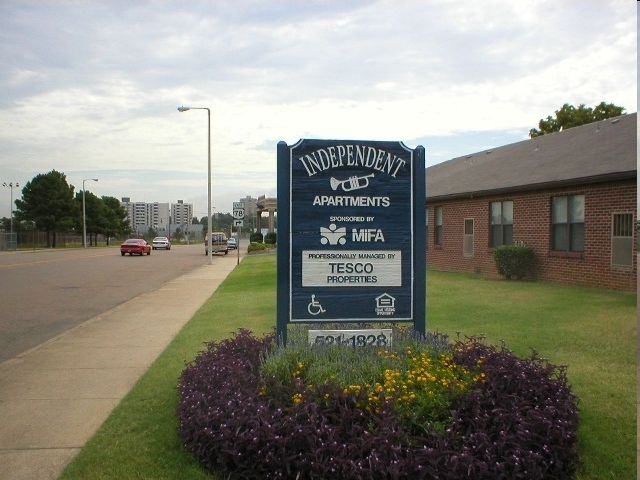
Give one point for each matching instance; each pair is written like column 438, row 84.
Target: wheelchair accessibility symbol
column 315, row 308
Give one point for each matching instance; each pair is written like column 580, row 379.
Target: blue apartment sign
column 351, row 236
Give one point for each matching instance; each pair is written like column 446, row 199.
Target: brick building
column 571, row 196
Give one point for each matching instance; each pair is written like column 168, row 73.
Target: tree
column 222, row 222
column 569, row 116
column 48, row 200
column 151, row 234
column 94, row 213
column 104, row 216
column 116, row 222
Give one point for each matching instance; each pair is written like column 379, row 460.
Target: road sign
column 238, row 223
column 238, row 213
column 238, row 205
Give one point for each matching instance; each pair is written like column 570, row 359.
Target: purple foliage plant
column 520, row 422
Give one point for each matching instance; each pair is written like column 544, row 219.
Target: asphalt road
column 44, row 293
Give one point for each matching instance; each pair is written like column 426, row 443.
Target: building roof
column 595, row 152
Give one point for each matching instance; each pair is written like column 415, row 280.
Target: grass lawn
column 592, row 331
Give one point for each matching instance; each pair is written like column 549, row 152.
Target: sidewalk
column 55, row 396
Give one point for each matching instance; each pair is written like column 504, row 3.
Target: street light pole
column 84, row 214
column 11, row 185
column 33, row 233
column 209, row 221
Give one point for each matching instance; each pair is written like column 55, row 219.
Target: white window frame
column 438, row 230
column 467, row 240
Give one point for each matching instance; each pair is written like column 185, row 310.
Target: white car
column 161, row 242
column 232, row 243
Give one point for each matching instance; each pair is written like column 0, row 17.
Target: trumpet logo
column 352, row 183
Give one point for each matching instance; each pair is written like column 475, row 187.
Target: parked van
column 219, row 243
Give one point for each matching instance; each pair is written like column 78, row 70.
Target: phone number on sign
column 353, row 338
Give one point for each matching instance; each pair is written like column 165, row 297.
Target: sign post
column 238, row 221
column 353, row 245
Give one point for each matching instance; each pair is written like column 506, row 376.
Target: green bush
column 258, row 247
column 514, row 260
column 256, row 237
column 270, row 238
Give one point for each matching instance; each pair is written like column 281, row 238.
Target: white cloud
column 91, row 88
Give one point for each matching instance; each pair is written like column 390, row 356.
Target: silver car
column 161, row 242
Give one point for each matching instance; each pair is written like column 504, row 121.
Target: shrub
column 418, row 379
column 259, row 247
column 514, row 260
column 271, row 238
column 256, row 247
column 256, row 237
column 251, row 411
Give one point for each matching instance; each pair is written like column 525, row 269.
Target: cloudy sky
column 91, row 88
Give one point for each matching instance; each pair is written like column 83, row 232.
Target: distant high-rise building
column 157, row 215
column 181, row 213
column 136, row 213
column 249, row 211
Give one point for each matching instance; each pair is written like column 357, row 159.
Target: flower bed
column 424, row 409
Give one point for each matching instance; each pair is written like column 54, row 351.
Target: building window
column 467, row 241
column 622, row 240
column 438, row 227
column 568, row 223
column 501, row 223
